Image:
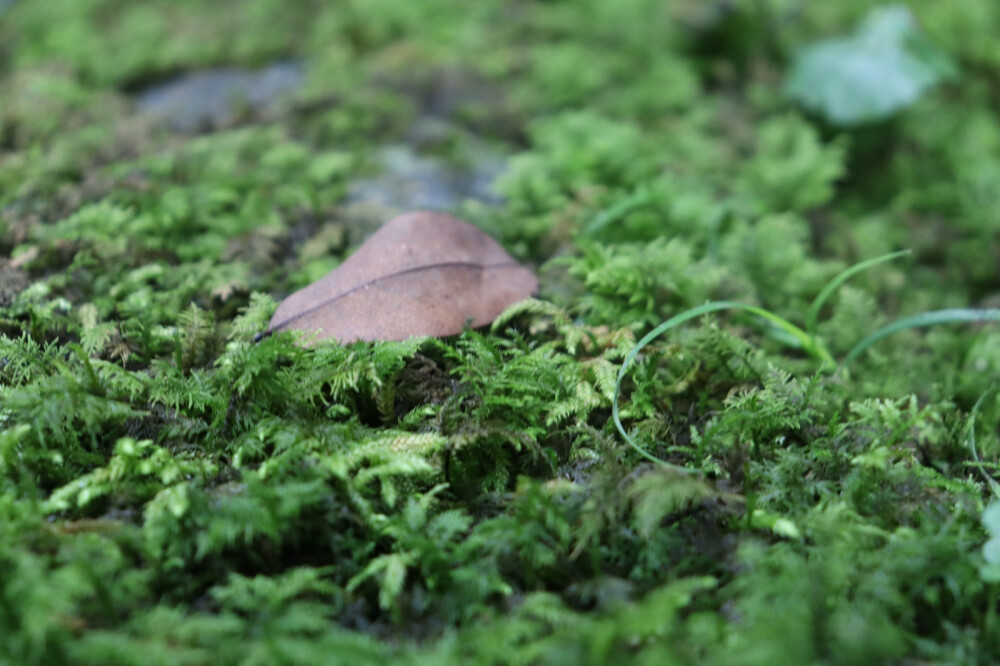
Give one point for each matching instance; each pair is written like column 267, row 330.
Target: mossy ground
column 172, row 492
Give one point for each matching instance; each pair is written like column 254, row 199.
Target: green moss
column 175, row 489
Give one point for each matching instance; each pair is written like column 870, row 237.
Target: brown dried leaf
column 423, row 273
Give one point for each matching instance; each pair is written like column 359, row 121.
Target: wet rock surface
column 407, row 176
column 410, row 180
column 215, row 98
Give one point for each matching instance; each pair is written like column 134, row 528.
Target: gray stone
column 214, row 98
column 410, row 181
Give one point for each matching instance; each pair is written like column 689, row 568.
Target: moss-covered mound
column 176, row 489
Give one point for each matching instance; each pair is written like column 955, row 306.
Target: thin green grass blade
column 618, row 210
column 970, row 441
column 808, row 343
column 791, row 335
column 920, row 321
column 812, row 315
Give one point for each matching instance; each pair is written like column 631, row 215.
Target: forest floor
column 177, row 489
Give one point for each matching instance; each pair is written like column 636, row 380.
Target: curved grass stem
column 812, row 315
column 807, row 342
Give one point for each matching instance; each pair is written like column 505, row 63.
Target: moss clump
column 174, row 491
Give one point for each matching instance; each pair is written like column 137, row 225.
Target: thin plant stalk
column 920, row 321
column 809, row 343
column 812, row 315
column 970, row 441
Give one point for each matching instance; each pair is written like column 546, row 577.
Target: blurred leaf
column 883, row 67
column 991, row 520
column 990, row 571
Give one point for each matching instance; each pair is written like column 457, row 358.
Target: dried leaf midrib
column 383, row 278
